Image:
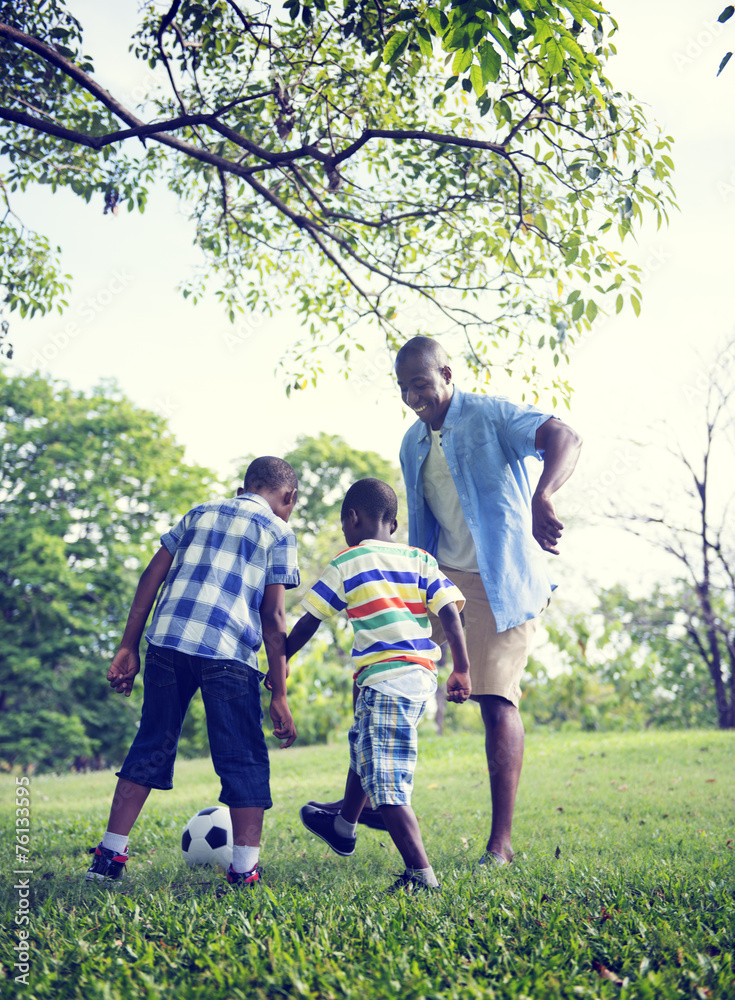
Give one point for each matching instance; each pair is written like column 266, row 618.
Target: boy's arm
column 300, row 634
column 459, row 686
column 273, row 618
column 126, row 663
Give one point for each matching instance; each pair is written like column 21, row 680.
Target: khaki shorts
column 497, row 659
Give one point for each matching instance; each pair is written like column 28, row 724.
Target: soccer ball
column 207, row 838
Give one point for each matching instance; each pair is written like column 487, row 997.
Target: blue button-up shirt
column 485, row 441
column 225, row 553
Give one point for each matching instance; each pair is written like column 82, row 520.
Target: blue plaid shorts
column 384, row 746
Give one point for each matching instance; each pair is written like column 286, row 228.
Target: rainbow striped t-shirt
column 386, row 588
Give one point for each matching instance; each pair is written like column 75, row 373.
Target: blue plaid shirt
column 224, row 555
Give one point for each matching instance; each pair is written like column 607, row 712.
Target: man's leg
column 504, row 737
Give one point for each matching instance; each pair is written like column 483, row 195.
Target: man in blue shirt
column 470, row 505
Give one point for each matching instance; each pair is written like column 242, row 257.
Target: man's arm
column 273, row 619
column 126, row 663
column 459, row 686
column 561, row 446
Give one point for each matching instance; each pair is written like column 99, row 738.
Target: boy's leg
column 389, row 751
column 127, row 803
column 231, row 695
column 354, row 798
column 247, row 829
column 167, row 690
column 405, row 833
column 338, row 828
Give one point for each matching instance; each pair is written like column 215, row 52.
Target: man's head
column 275, row 480
column 369, row 511
column 425, row 379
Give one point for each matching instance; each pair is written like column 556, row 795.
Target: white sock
column 244, row 858
column 342, row 828
column 115, row 842
column 425, row 875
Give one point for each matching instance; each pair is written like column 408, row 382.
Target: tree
column 87, row 484
column 627, row 663
column 464, row 166
column 692, row 522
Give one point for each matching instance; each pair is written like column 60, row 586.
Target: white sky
column 218, row 387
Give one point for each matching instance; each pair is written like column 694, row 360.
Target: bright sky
column 217, row 384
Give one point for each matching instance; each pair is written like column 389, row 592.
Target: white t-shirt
column 456, row 547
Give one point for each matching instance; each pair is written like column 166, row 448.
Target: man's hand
column 459, row 687
column 546, row 526
column 124, row 668
column 283, row 725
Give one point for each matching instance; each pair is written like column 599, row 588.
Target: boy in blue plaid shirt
column 222, row 572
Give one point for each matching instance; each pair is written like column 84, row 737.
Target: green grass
column 624, row 868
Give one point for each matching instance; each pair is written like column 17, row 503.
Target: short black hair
column 270, row 472
column 372, row 497
column 426, row 348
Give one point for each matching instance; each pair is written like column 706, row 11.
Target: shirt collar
column 455, row 406
column 256, row 498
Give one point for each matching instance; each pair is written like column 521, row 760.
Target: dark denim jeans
column 231, row 696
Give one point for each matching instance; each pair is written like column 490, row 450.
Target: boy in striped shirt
column 387, row 590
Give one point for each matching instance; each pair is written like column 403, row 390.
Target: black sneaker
column 410, row 883
column 106, row 865
column 368, row 817
column 243, row 878
column 321, row 824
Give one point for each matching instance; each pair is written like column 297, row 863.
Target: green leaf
column 591, row 311
column 462, row 61
column 395, row 47
column 434, row 17
column 636, row 305
column 476, row 79
column 577, row 310
column 502, row 111
column 490, row 63
column 571, row 256
column 555, row 57
column 619, row 303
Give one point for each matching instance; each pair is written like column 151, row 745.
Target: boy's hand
column 123, row 670
column 269, row 683
column 459, row 687
column 283, row 725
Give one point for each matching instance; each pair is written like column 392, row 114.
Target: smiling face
column 425, row 387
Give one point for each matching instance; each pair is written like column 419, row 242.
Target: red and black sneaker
column 243, row 878
column 107, row 864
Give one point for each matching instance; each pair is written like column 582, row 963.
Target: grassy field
column 623, row 884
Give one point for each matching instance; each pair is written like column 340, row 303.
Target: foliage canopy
column 463, row 167
column 87, row 483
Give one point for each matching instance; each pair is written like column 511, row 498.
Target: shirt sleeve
column 327, row 597
column 440, row 591
column 283, row 564
column 171, row 539
column 520, row 423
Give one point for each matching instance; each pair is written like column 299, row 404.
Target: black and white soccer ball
column 207, row 838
